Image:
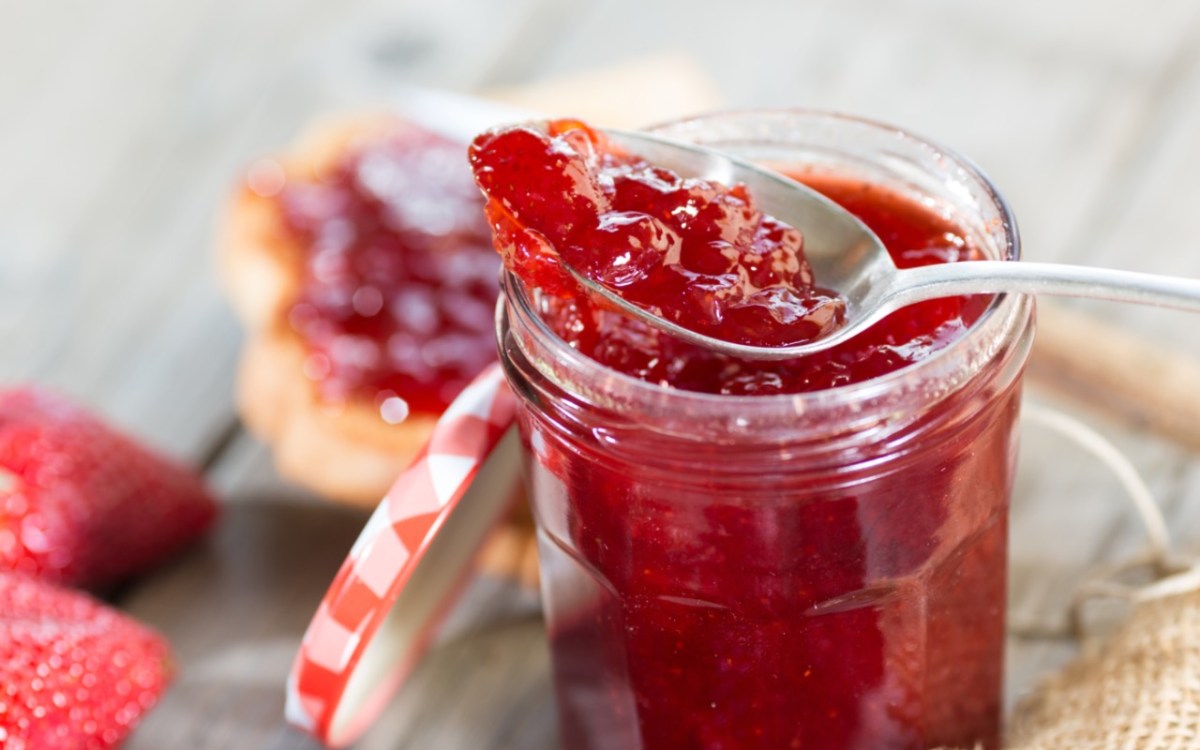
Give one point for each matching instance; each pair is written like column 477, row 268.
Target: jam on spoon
column 700, row 254
column 727, row 268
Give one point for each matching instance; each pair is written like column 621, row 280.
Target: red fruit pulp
column 860, row 607
column 400, row 279
column 695, row 252
column 702, row 256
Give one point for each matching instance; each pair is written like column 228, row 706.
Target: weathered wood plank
column 122, row 136
column 1145, row 216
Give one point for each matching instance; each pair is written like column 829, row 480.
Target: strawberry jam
column 701, row 255
column 399, row 280
column 801, row 562
column 695, row 252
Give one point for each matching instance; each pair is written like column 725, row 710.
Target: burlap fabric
column 1138, row 689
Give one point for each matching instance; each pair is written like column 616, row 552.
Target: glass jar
column 823, row 570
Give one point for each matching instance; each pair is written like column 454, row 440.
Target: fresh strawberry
column 83, row 504
column 73, row 673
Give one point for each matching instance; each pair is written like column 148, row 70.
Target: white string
column 1116, row 461
column 1183, row 582
column 1171, row 578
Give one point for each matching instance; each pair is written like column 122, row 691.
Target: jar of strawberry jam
column 804, row 555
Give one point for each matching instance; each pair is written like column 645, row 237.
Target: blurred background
column 125, row 124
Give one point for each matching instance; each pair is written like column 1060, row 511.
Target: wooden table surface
column 123, row 123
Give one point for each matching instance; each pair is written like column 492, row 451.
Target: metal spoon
column 848, row 258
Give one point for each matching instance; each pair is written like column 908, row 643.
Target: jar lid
column 408, row 566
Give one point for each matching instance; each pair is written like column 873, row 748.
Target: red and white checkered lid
column 382, row 609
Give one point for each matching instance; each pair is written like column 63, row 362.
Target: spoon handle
column 991, row 276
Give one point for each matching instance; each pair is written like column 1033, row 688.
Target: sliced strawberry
column 73, row 672
column 83, row 504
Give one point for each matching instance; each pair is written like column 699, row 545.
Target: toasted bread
column 347, row 453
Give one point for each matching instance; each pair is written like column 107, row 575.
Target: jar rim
column 942, row 372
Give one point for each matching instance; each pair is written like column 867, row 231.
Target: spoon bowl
column 848, row 258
